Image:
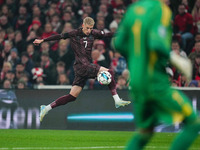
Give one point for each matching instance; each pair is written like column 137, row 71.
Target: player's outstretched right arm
column 51, row 38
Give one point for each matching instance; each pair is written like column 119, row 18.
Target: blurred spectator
column 37, row 13
column 6, row 67
column 185, row 2
column 118, row 63
column 48, row 31
column 10, row 75
column 100, row 25
column 7, row 84
column 121, row 83
column 174, row 83
column 42, row 4
column 10, row 35
column 3, row 36
column 19, row 71
column 100, row 16
column 195, row 51
column 27, row 63
column 34, row 26
column 62, row 79
column 26, row 79
column 23, row 11
column 11, row 5
column 60, row 67
column 21, row 84
column 98, row 58
column 88, row 10
column 13, row 58
column 176, row 48
column 56, row 23
column 104, row 53
column 67, row 17
column 113, row 26
column 196, row 15
column 49, row 69
column 170, row 73
column 45, row 47
column 196, row 66
column 33, row 55
column 26, row 4
column 183, row 26
column 193, row 83
column 65, row 53
column 126, row 75
column 182, row 81
column 4, row 23
column 108, row 16
column 22, row 26
column 67, row 27
column 7, row 12
column 19, row 43
column 31, row 37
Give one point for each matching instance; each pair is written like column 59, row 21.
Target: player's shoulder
column 144, row 6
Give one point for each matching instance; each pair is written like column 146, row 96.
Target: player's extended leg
column 112, row 86
column 140, row 139
column 75, row 91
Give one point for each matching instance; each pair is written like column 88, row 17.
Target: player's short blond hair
column 89, row 21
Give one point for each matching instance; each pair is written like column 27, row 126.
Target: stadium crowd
column 24, row 65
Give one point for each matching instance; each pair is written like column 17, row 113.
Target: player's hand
column 37, row 41
column 182, row 64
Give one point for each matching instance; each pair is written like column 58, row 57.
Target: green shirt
column 144, row 36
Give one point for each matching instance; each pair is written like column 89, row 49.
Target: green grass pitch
column 79, row 140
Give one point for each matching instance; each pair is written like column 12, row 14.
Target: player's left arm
column 99, row 34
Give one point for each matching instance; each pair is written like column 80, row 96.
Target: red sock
column 63, row 100
column 112, row 85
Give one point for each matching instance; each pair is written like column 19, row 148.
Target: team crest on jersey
column 102, row 32
column 84, row 38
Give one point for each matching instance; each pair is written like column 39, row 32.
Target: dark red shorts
column 84, row 72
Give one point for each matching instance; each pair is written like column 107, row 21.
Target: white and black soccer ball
column 104, row 78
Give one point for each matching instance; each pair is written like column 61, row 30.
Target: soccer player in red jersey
column 81, row 42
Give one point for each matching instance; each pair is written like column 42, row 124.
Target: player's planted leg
column 139, row 140
column 112, row 86
column 60, row 101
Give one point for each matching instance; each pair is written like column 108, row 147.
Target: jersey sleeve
column 159, row 35
column 99, row 34
column 70, row 34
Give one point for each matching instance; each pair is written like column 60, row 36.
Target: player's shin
column 139, row 141
column 63, row 100
column 112, row 85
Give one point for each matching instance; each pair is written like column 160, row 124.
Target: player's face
column 87, row 28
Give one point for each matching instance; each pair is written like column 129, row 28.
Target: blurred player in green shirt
column 144, row 36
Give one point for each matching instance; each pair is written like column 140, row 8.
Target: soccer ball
column 104, row 78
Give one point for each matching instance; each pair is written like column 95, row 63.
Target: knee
column 111, row 71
